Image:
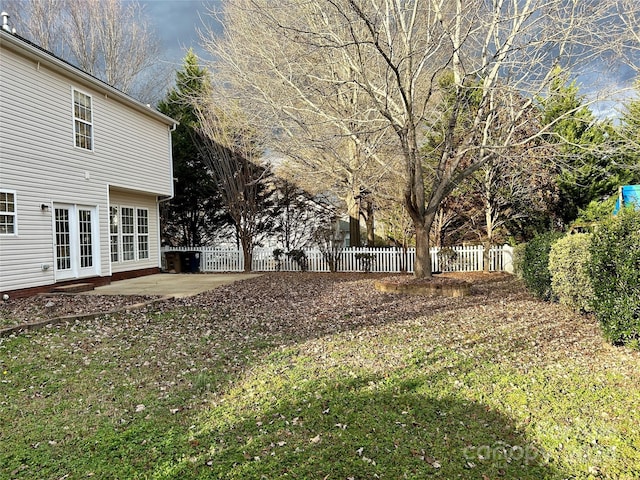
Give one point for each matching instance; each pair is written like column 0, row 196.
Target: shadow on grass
column 303, row 423
column 356, row 426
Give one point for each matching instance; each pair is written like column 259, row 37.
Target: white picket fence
column 386, row 260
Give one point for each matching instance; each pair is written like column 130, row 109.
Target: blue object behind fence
column 630, row 194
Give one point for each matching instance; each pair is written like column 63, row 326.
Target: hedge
column 569, row 260
column 535, row 265
column 615, row 277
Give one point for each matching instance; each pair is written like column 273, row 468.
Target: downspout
column 167, row 198
column 171, row 129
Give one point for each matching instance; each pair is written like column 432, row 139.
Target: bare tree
column 393, row 52
column 39, row 21
column 233, row 152
column 327, row 130
column 109, row 39
column 330, row 242
column 301, row 214
column 625, row 16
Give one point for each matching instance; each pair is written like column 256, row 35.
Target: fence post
column 507, row 258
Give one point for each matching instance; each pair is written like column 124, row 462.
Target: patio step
column 74, row 288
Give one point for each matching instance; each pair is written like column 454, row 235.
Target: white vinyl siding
column 47, row 168
column 8, row 221
column 82, row 120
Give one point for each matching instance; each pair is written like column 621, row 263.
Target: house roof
column 55, row 63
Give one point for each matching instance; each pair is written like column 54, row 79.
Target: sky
column 176, row 23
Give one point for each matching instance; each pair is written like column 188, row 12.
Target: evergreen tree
column 629, row 140
column 586, row 170
column 195, row 213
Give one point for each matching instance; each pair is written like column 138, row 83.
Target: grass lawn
column 314, row 376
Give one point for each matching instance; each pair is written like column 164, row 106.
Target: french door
column 76, row 241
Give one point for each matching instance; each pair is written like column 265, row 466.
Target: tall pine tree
column 196, row 212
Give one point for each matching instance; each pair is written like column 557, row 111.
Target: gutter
column 166, row 198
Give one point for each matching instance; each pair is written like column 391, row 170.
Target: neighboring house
column 83, row 168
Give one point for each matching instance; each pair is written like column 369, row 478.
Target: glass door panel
column 75, row 241
column 63, row 243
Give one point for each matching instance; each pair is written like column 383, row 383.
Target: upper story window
column 8, row 224
column 82, row 120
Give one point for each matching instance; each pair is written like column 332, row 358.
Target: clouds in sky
column 176, row 23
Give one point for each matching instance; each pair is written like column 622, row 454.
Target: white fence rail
column 386, row 260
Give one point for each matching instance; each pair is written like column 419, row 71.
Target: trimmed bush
column 518, row 259
column 569, row 261
column 615, row 276
column 535, row 266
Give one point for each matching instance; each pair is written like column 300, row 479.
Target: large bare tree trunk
column 370, row 222
column 488, row 218
column 247, row 253
column 422, row 265
column 353, row 210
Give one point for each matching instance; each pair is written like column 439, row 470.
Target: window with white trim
column 82, row 120
column 128, row 233
column 143, row 233
column 113, row 233
column 8, row 220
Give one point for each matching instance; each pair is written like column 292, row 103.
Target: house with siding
column 83, row 169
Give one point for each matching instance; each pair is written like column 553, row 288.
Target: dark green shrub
column 365, row 260
column 615, row 276
column 569, row 260
column 535, row 266
column 518, row 259
column 300, row 257
column 277, row 256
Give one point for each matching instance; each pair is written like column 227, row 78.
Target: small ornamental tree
column 615, row 276
column 330, row 241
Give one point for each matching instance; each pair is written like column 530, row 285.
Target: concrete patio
column 171, row 284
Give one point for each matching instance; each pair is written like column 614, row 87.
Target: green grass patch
column 186, row 394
